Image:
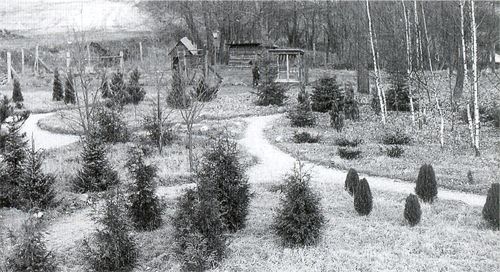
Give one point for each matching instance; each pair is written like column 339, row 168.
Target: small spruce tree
column 299, row 219
column 221, row 167
column 363, row 202
column 491, row 209
column 412, row 211
column 426, row 187
column 69, row 90
column 17, row 95
column 351, row 181
column 351, row 109
column 325, row 92
column 57, row 88
column 302, row 114
column 36, row 187
column 336, row 117
column 135, row 92
column 30, row 253
column 144, row 208
column 112, row 248
column 177, row 97
column 96, row 174
column 12, row 167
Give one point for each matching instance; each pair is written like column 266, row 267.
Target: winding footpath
column 272, row 166
column 45, row 139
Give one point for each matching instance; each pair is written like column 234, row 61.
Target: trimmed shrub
column 57, row 88
column 344, row 142
column 491, row 209
column 17, row 95
column 299, row 219
column 177, row 97
column 221, row 169
column 412, row 211
column 363, row 202
column 199, row 241
column 30, row 253
column 144, row 208
column 397, row 137
column 204, row 92
column 305, row 137
column 69, row 90
column 271, row 94
column 36, row 188
column 302, row 115
column 135, row 92
column 110, row 126
column 326, row 91
column 111, row 248
column 394, row 151
column 96, row 174
column 348, row 153
column 351, row 181
column 426, row 187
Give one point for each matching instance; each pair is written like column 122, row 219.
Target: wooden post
column 88, row 55
column 314, row 54
column 278, row 64
column 22, row 60
column 121, row 61
column 9, row 67
column 68, row 61
column 206, row 65
column 287, row 68
column 140, row 50
column 35, row 67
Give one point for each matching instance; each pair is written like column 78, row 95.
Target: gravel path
column 275, row 164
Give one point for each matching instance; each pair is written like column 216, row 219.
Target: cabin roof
column 191, row 48
column 287, row 51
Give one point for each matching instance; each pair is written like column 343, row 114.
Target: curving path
column 274, row 164
column 43, row 138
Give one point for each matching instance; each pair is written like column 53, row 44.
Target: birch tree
column 474, row 77
column 408, row 60
column 380, row 92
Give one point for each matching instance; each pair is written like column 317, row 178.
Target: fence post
column 206, row 64
column 68, row 60
column 314, row 54
column 9, row 67
column 121, row 60
column 35, row 67
column 140, row 50
column 22, row 60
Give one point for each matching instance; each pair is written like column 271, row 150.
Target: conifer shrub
column 412, row 211
column 110, row 126
column 199, row 239
column 348, row 153
column 112, row 247
column 301, row 115
column 351, row 108
column 17, row 95
column 57, row 88
column 153, row 130
column 398, row 94
column 426, row 186
column 36, row 188
column 394, row 151
column 30, row 253
column 491, row 209
column 375, row 102
column 363, row 202
column 12, row 167
column 104, row 86
column 204, row 92
column 305, row 137
column 299, row 219
column 397, row 137
column 69, row 90
column 337, row 117
column 345, row 142
column 326, row 91
column 220, row 167
column 351, row 181
column 135, row 92
column 120, row 95
column 178, row 97
column 96, row 174
column 144, row 208
column 271, row 93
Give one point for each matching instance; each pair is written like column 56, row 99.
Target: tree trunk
column 408, row 60
column 474, row 77
column 381, row 97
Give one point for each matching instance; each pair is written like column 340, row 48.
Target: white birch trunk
column 409, row 62
column 474, row 77
column 462, row 33
column 381, row 97
column 471, row 127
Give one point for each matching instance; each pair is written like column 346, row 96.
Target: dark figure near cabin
column 255, row 74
